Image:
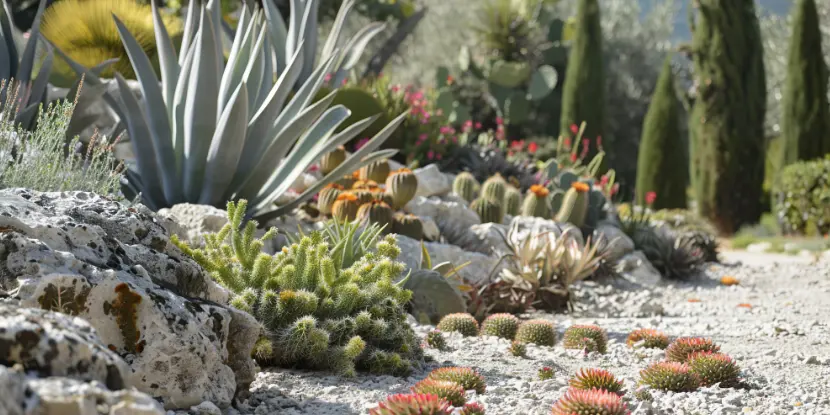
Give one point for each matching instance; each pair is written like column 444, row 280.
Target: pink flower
column 650, row 198
column 430, row 155
column 438, row 156
column 423, row 137
column 395, row 88
column 532, row 147
column 574, row 128
column 499, row 121
column 362, row 142
column 615, row 188
column 478, row 126
column 313, row 168
column 603, row 180
column 446, row 130
column 418, row 96
column 328, row 77
column 599, row 142
column 585, row 143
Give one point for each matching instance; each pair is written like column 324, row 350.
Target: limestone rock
column 116, row 268
column 442, row 210
column 537, row 229
column 620, row 244
column 432, row 182
column 433, row 296
column 478, row 270
column 637, row 268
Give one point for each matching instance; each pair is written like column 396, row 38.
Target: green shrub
column 801, row 198
column 324, row 306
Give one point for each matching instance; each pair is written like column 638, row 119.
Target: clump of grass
column 45, row 160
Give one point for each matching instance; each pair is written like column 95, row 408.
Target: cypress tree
column 806, row 118
column 583, row 93
column 727, row 120
column 661, row 163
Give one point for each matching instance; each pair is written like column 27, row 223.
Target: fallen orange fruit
column 745, row 305
column 729, row 280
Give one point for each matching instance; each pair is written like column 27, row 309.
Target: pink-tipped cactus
column 412, row 404
column 588, row 379
column 472, row 409
column 670, row 376
column 680, row 349
column 468, row 378
column 714, row 368
column 449, row 391
column 595, row 401
column 650, row 338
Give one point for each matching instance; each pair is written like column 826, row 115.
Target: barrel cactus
column 377, row 212
column 494, row 188
column 408, row 225
column 345, row 207
column 327, row 197
column 466, row 186
column 500, row 325
column 463, row 323
column 402, row 184
column 539, row 332
column 331, row 160
column 487, row 210
column 377, row 171
column 574, row 205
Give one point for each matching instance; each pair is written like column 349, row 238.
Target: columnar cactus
column 408, row 225
column 412, row 404
column 461, row 322
column 500, row 325
column 345, row 207
column 540, row 332
column 377, row 212
column 588, row 337
column 331, row 160
column 468, row 378
column 588, row 379
column 680, row 349
column 650, row 338
column 714, row 368
column 670, row 376
column 444, row 389
column 402, row 185
column 377, row 171
column 574, row 205
column 466, row 186
column 578, row 401
column 488, row 211
column 327, row 197
column 537, row 202
column 494, row 188
column 512, row 201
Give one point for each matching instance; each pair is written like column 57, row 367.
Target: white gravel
column 782, row 343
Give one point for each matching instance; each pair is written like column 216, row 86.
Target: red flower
column 532, row 147
column 517, row 144
column 574, row 128
column 450, row 79
column 650, row 198
column 615, row 188
column 567, row 143
column 573, row 157
column 603, row 180
column 499, row 121
column 599, row 142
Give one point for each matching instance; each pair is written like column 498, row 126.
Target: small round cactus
column 449, row 391
column 545, row 373
column 377, row 171
column 577, row 401
column 364, row 184
column 408, row 225
column 500, row 325
column 670, row 376
column 537, row 202
column 436, row 340
column 347, row 181
column 468, row 378
column 465, row 185
column 650, row 338
column 472, row 408
column 517, row 349
column 402, row 184
column 494, row 188
column 463, row 323
column 714, row 368
column 680, row 349
column 332, row 160
column 363, row 196
column 380, row 195
column 597, row 379
column 540, row 332
column 412, row 404
column 327, row 197
column 345, row 207
column 588, row 337
column 488, row 211
column 377, row 212
column 512, row 201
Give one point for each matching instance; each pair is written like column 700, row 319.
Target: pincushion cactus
column 577, row 401
column 500, row 325
column 408, row 225
column 377, row 212
column 466, row 186
column 512, row 201
column 517, row 349
column 588, row 337
column 444, row 389
column 670, row 376
column 412, row 404
column 402, row 184
column 345, row 207
column 588, row 379
column 436, row 340
column 540, row 332
column 680, row 349
column 537, row 202
column 468, row 378
column 332, row 160
column 494, row 188
column 463, row 323
column 472, row 409
column 487, row 210
column 650, row 338
column 545, row 373
column 317, row 312
column 327, row 197
column 714, row 368
column 377, row 171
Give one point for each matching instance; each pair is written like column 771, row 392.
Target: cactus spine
column 574, row 205
column 488, row 211
column 465, row 185
column 402, row 185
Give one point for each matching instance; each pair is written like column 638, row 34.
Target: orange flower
column 347, row 197
column 745, row 305
column 539, row 190
column 334, row 186
column 450, row 79
column 694, row 300
column 729, row 280
column 580, row 187
column 356, row 174
column 364, row 184
column 401, row 170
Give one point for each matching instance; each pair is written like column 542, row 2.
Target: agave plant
column 211, row 131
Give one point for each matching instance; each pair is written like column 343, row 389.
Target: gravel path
column 780, row 336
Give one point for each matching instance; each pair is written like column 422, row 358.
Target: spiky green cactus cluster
column 463, row 323
column 466, row 186
column 540, row 332
column 650, row 338
column 488, row 211
column 512, row 201
column 494, row 189
column 680, row 349
column 436, row 340
column 500, row 325
column 468, row 378
column 714, row 368
column 444, row 389
column 412, row 404
column 588, row 337
column 322, row 305
column 545, row 373
column 670, row 376
column 577, row 401
column 588, row 379
column 517, row 349
column 472, row 408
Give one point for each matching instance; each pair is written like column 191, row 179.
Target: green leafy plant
column 650, row 338
column 500, row 325
column 539, row 332
column 325, row 306
column 187, row 139
column 588, row 337
column 587, row 379
column 800, row 197
column 680, row 349
column 468, row 378
column 712, row 368
column 670, row 376
column 545, row 373
column 460, row 322
column 444, row 389
column 412, row 404
column 675, row 256
column 578, row 401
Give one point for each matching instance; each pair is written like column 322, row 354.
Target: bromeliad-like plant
column 318, row 311
column 212, row 131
